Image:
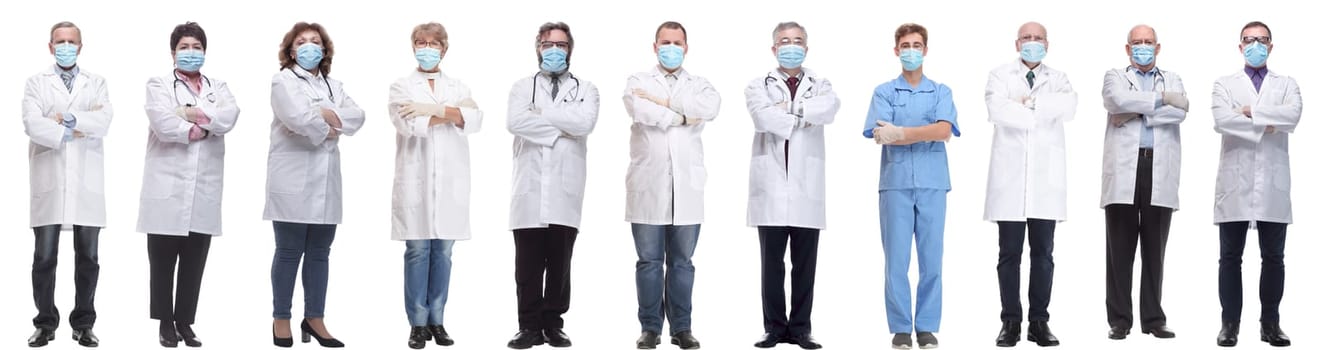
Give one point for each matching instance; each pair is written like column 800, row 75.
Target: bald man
column 1028, row 103
column 1141, row 169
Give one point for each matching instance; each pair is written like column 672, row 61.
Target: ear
column 1045, row 45
column 1018, row 45
column 925, row 51
column 774, row 50
column 655, row 47
column 897, row 50
column 51, row 46
column 1128, row 50
column 685, row 49
column 1270, row 48
column 1157, row 47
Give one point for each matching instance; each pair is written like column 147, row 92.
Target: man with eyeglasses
column 1028, row 103
column 1141, row 169
column 1255, row 110
column 551, row 115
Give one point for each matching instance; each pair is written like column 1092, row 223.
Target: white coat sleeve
column 296, row 112
column 645, row 112
column 1228, row 119
column 473, row 117
column 1282, row 115
column 1118, row 97
column 41, row 129
column 575, row 118
column 95, row 122
column 407, row 127
column 1167, row 114
column 1003, row 109
column 1057, row 105
column 821, row 108
column 351, row 116
column 768, row 117
column 697, row 100
column 161, row 117
column 226, row 112
column 523, row 121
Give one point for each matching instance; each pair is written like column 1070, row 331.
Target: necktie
column 1029, row 77
column 68, row 78
column 792, row 83
column 556, row 86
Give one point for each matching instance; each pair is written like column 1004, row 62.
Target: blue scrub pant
column 918, row 213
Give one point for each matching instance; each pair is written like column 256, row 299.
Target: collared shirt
column 1147, row 80
column 922, row 164
column 69, row 119
column 1038, row 73
column 1257, row 75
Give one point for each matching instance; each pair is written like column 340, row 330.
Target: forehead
column 310, row 35
column 1142, row 33
column 911, row 38
column 65, row 33
column 188, row 40
column 670, row 34
column 555, row 35
column 1254, row 31
column 791, row 33
column 1032, row 29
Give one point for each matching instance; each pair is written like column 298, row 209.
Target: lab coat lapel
column 421, row 87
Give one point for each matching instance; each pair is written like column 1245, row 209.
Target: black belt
column 1146, row 153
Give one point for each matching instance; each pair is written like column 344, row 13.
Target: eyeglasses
column 433, row 44
column 789, row 41
column 550, row 44
column 1247, row 40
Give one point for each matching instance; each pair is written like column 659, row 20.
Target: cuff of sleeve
column 68, row 134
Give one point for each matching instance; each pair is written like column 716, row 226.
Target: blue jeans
column 312, row 244
column 427, row 280
column 45, row 256
column 674, row 245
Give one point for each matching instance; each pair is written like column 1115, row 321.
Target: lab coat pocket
column 572, row 174
column 44, row 168
column 698, row 176
column 94, row 170
column 287, row 173
column 1057, row 175
column 1282, row 179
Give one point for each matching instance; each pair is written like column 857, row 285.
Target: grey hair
column 789, row 25
column 66, row 24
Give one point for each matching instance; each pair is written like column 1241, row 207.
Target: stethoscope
column 574, row 93
column 786, row 96
column 211, row 96
column 331, row 94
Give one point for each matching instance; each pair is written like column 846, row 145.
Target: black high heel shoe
column 187, row 336
column 309, row 334
column 281, row 342
column 168, row 337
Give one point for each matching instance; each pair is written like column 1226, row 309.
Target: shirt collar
column 59, row 70
column 925, row 85
column 1151, row 72
column 783, row 76
column 680, row 73
column 1261, row 71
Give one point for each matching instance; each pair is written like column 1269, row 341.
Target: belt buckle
column 1147, row 152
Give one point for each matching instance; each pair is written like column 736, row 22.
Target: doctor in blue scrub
column 912, row 117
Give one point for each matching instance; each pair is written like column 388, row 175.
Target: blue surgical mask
column 1142, row 54
column 427, row 57
column 670, row 56
column 309, row 55
column 553, row 60
column 1256, row 54
column 791, row 56
column 189, row 60
column 911, row 59
column 1033, row 52
column 66, row 55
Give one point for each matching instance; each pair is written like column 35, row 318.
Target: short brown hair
column 67, row 24
column 671, row 25
column 188, row 29
column 286, row 45
column 548, row 28
column 1255, row 24
column 911, row 28
column 434, row 29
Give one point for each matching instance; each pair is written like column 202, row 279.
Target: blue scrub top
column 922, row 165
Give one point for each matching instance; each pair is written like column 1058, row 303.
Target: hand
column 1121, row 119
column 333, row 134
column 1270, row 129
column 803, row 123
column 644, row 95
column 1176, row 99
column 79, row 134
column 415, row 110
column 196, row 133
column 1245, row 110
column 689, row 121
column 452, row 115
column 1027, row 101
column 887, row 133
column 94, row 108
column 57, row 117
column 782, row 106
column 331, row 118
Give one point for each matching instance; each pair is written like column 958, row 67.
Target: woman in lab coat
column 433, row 115
column 189, row 114
column 304, row 194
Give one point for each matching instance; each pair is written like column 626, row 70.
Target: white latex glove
column 1121, row 119
column 886, row 133
column 415, row 110
column 689, row 121
column 1176, row 99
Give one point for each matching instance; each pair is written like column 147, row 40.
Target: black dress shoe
column 86, row 338
column 685, row 340
column 1009, row 334
column 556, row 338
column 526, row 338
column 1118, row 332
column 1161, row 332
column 769, row 340
column 1271, row 333
column 168, row 336
column 186, row 335
column 647, row 340
column 805, row 341
column 1227, row 336
column 439, row 333
column 1040, row 334
column 419, row 337
column 41, row 337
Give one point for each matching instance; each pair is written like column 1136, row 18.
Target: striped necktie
column 68, row 78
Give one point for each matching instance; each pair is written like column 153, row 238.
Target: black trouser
column 86, row 269
column 1011, row 242
column 163, row 251
column 1232, row 238
column 538, row 251
column 1127, row 224
column 804, row 261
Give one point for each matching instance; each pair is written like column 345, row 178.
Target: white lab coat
column 1027, row 168
column 550, row 149
column 664, row 183
column 1254, row 174
column 430, row 194
column 1121, row 146
column 782, row 191
column 182, row 179
column 303, row 165
column 67, row 178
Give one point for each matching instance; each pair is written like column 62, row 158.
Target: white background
column 492, row 47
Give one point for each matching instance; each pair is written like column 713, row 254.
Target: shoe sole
column 677, row 343
column 1266, row 340
column 928, row 346
column 1036, row 341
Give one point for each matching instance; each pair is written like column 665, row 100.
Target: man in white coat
column 1028, row 103
column 1141, row 168
column 66, row 114
column 664, row 184
column 790, row 106
column 1255, row 110
column 551, row 114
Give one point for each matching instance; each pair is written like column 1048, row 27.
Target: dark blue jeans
column 664, row 292
column 45, row 255
column 312, row 244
